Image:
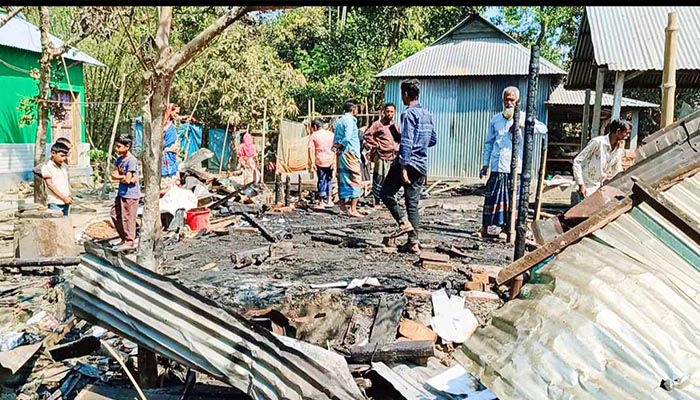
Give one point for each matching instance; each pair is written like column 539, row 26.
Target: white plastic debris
column 330, row 285
column 456, row 381
column 177, row 198
column 36, row 318
column 362, row 282
column 97, row 331
column 11, row 340
column 452, row 322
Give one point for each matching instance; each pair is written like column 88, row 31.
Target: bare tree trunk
column 44, row 96
column 150, row 240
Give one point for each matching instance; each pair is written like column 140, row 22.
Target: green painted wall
column 16, row 84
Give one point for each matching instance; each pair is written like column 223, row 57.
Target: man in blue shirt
column 497, row 157
column 347, row 146
column 410, row 169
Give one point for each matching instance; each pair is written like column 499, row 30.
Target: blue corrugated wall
column 462, row 109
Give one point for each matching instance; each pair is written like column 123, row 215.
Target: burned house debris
column 265, row 289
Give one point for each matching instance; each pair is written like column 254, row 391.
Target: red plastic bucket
column 198, row 219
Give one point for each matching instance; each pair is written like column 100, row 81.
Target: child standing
column 55, row 175
column 126, row 203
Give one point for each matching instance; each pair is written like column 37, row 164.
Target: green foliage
column 98, row 157
column 340, row 61
column 238, row 76
column 523, row 23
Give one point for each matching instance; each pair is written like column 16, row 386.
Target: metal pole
column 669, row 74
column 515, row 150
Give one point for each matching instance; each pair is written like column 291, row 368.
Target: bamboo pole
column 540, row 179
column 599, row 82
column 586, row 119
column 669, row 74
column 617, row 94
column 264, row 134
column 194, row 109
column 115, row 125
column 223, row 147
column 126, row 370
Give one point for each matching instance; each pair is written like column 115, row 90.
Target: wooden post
column 669, row 74
column 264, row 134
column 599, row 81
column 586, row 119
column 117, row 115
column 540, row 178
column 287, row 190
column 635, row 130
column 617, row 94
column 515, row 154
column 223, row 148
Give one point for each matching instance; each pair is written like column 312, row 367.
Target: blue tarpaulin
column 195, row 137
column 190, row 143
column 216, row 141
column 138, row 136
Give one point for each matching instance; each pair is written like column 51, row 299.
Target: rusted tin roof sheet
column 168, row 318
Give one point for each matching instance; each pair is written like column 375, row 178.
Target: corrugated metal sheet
column 610, row 317
column 462, row 109
column 485, row 57
column 561, row 96
column 639, row 34
column 156, row 312
column 22, row 34
column 473, row 47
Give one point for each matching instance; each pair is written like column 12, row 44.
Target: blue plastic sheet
column 190, row 142
column 216, row 141
column 138, row 136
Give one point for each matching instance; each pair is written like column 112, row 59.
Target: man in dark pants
column 409, row 170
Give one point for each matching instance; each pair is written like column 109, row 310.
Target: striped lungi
column 497, row 200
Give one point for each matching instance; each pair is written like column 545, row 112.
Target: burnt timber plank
column 415, row 350
column 610, row 212
column 386, row 321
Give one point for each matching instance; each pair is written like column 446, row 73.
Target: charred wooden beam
column 395, row 352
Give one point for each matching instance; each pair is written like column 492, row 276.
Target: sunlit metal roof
column 474, row 47
column 21, row 34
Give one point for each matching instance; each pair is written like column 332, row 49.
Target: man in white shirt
column 601, row 159
column 55, row 174
column 496, row 161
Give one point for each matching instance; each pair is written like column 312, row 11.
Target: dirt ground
column 337, row 316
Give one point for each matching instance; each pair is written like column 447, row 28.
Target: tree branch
column 127, row 33
column 206, row 36
column 71, row 43
column 162, row 39
column 11, row 15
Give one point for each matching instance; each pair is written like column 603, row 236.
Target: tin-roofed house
column 462, row 77
column 20, row 51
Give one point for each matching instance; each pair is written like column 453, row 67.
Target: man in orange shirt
column 323, row 159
